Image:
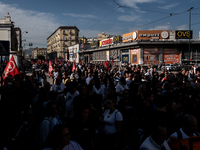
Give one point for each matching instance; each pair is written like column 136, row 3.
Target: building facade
column 7, row 33
column 39, row 52
column 102, row 36
column 19, row 38
column 59, row 41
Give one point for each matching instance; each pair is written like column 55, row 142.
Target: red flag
column 73, row 68
column 11, row 69
column 32, row 62
column 113, row 63
column 50, row 68
column 45, row 61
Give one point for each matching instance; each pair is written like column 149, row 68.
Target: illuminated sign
column 107, row 42
column 183, row 34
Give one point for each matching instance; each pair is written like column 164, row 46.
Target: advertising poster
column 125, row 58
column 151, row 55
column 134, row 56
column 170, row 55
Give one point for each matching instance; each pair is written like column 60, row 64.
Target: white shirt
column 184, row 136
column 72, row 146
column 69, row 108
column 55, row 74
column 109, row 120
column 88, row 80
column 58, row 88
column 150, row 144
column 120, row 88
column 100, row 90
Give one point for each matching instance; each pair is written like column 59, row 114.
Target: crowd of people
column 98, row 107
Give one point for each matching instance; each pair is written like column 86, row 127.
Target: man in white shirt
column 88, row 78
column 120, row 87
column 69, row 108
column 188, row 130
column 156, row 141
column 59, row 87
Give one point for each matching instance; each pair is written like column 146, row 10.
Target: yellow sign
column 183, row 34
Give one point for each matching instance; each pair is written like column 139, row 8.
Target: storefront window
column 156, row 57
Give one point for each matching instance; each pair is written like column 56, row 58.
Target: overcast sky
column 41, row 17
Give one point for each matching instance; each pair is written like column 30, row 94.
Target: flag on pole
column 73, row 68
column 113, row 63
column 50, row 67
column 11, row 69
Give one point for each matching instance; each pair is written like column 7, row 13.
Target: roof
column 64, row 27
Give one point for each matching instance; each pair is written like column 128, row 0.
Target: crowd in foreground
column 98, row 107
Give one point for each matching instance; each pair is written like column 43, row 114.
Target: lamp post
column 22, row 46
column 190, row 35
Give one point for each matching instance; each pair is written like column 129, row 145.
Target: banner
column 73, row 68
column 50, row 67
column 11, row 69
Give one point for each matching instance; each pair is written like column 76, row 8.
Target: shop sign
column 149, row 35
column 135, row 51
column 125, row 58
column 93, row 45
column 107, row 42
column 183, row 34
column 117, row 39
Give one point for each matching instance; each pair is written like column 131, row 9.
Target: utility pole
column 190, row 35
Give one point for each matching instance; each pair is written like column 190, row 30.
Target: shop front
column 151, row 55
column 171, row 55
column 134, row 56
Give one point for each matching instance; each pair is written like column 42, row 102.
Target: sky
column 92, row 17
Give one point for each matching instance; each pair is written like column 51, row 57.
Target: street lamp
column 189, row 37
column 22, row 47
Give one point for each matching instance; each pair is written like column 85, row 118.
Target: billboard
column 4, row 47
column 146, row 35
column 107, row 42
column 183, row 34
column 94, row 45
column 117, row 39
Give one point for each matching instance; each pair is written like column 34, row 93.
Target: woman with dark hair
column 98, row 88
column 60, row 139
column 113, row 121
column 49, row 121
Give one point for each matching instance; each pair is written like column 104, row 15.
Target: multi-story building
column 59, row 41
column 7, row 33
column 82, row 40
column 102, row 36
column 39, row 52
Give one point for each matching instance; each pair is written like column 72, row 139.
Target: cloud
column 133, row 3
column 79, row 15
column 182, row 27
column 166, row 7
column 165, row 27
column 38, row 24
column 127, row 18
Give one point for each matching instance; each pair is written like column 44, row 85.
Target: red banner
column 50, row 68
column 11, row 69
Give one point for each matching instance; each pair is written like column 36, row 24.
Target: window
column 63, row 31
column 70, row 43
column 157, row 57
column 70, row 38
column 70, row 31
column 64, row 38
